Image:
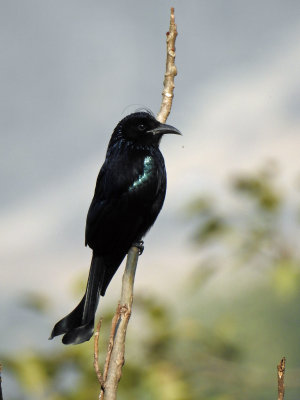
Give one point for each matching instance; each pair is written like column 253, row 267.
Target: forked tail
column 78, row 326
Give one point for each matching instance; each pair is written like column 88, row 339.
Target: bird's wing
column 122, row 197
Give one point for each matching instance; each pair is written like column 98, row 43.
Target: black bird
column 129, row 194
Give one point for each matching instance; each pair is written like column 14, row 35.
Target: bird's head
column 143, row 128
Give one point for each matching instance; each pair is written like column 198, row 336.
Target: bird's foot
column 140, row 245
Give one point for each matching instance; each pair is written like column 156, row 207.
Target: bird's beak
column 162, row 129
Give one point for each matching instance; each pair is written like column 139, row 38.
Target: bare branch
column 96, row 353
column 124, row 310
column 280, row 376
column 171, row 72
column 110, row 346
column 1, row 397
column 116, row 347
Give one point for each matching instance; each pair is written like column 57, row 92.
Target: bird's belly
column 126, row 221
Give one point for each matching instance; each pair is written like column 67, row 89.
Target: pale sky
column 71, row 70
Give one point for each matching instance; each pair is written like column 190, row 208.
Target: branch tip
column 280, row 378
column 171, row 71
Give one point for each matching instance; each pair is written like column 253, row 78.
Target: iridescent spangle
column 148, row 166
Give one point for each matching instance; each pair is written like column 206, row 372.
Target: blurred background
column 218, row 287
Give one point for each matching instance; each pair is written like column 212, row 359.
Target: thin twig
column 171, row 72
column 96, row 353
column 110, row 347
column 1, row 397
column 111, row 339
column 117, row 354
column 280, row 377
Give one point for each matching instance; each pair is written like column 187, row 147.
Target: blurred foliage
column 222, row 337
column 36, row 302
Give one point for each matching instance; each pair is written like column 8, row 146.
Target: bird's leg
column 140, row 245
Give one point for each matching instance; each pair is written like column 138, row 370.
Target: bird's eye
column 141, row 127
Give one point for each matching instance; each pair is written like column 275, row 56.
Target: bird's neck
column 131, row 148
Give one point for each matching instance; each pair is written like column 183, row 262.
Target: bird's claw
column 140, row 245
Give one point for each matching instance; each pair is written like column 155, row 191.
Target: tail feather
column 78, row 326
